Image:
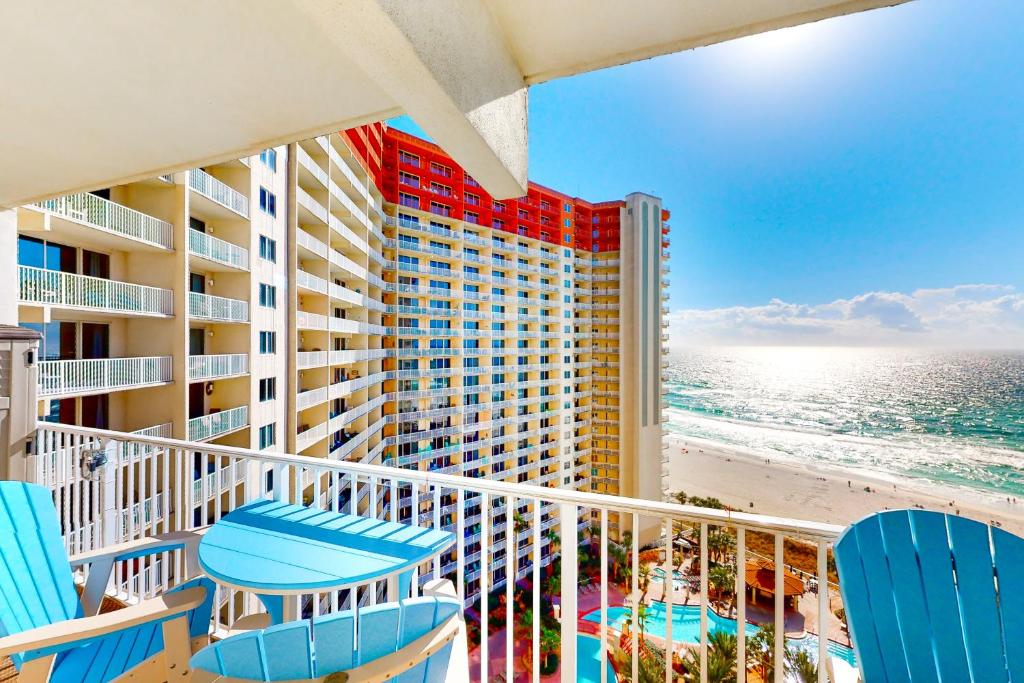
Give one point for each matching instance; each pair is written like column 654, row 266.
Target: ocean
column 950, row 417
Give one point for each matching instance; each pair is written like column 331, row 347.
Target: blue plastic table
column 276, row 549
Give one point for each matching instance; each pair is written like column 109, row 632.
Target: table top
column 275, row 548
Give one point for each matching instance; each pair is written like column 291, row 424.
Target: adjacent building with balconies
column 359, row 297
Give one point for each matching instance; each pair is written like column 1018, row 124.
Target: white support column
column 8, row 267
column 19, row 353
column 568, row 521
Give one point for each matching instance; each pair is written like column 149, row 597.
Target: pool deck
column 805, row 619
column 797, row 624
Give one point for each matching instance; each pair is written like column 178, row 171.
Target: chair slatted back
column 36, row 583
column 294, row 652
column 933, row 597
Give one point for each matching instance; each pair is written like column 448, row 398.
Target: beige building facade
column 281, row 302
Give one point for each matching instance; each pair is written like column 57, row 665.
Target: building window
column 268, row 435
column 268, row 202
column 408, row 179
column 268, row 295
column 268, row 249
column 440, row 170
column 269, row 158
column 443, row 190
column 268, row 389
column 268, row 342
column 409, row 200
column 407, row 158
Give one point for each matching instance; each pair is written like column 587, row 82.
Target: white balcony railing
column 162, row 430
column 111, row 217
column 592, row 541
column 215, row 190
column 219, row 308
column 217, row 424
column 215, row 249
column 217, row 365
column 68, row 290
column 96, row 375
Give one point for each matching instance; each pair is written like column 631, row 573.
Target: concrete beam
column 447, row 64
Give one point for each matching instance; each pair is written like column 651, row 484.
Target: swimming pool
column 588, row 661
column 686, row 627
column 658, row 576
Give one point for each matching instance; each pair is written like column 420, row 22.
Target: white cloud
column 976, row 316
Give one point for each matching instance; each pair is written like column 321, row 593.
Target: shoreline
column 820, row 493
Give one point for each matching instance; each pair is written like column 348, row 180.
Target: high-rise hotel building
column 358, row 296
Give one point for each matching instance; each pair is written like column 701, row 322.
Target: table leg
column 274, row 605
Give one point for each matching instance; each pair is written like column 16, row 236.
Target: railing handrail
column 647, row 508
column 70, row 361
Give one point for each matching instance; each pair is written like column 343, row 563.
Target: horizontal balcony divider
column 70, row 290
column 100, row 375
column 111, row 217
column 587, row 524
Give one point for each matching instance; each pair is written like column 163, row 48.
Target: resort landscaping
column 658, row 577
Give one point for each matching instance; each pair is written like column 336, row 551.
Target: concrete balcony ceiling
column 100, row 94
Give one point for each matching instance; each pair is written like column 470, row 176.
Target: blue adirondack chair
column 51, row 634
column 933, row 597
column 409, row 641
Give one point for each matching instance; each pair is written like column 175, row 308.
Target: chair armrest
column 66, row 635
column 140, row 547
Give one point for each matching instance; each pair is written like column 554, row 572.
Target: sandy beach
column 817, row 493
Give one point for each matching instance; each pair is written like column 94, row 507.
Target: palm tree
column 553, row 539
column 526, row 622
column 626, row 575
column 641, row 618
column 722, row 579
column 762, row 651
column 719, row 544
column 644, row 580
column 800, row 665
column 641, row 622
column 617, row 556
column 550, row 643
column 553, row 585
column 722, row 648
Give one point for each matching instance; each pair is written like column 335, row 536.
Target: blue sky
column 881, row 153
